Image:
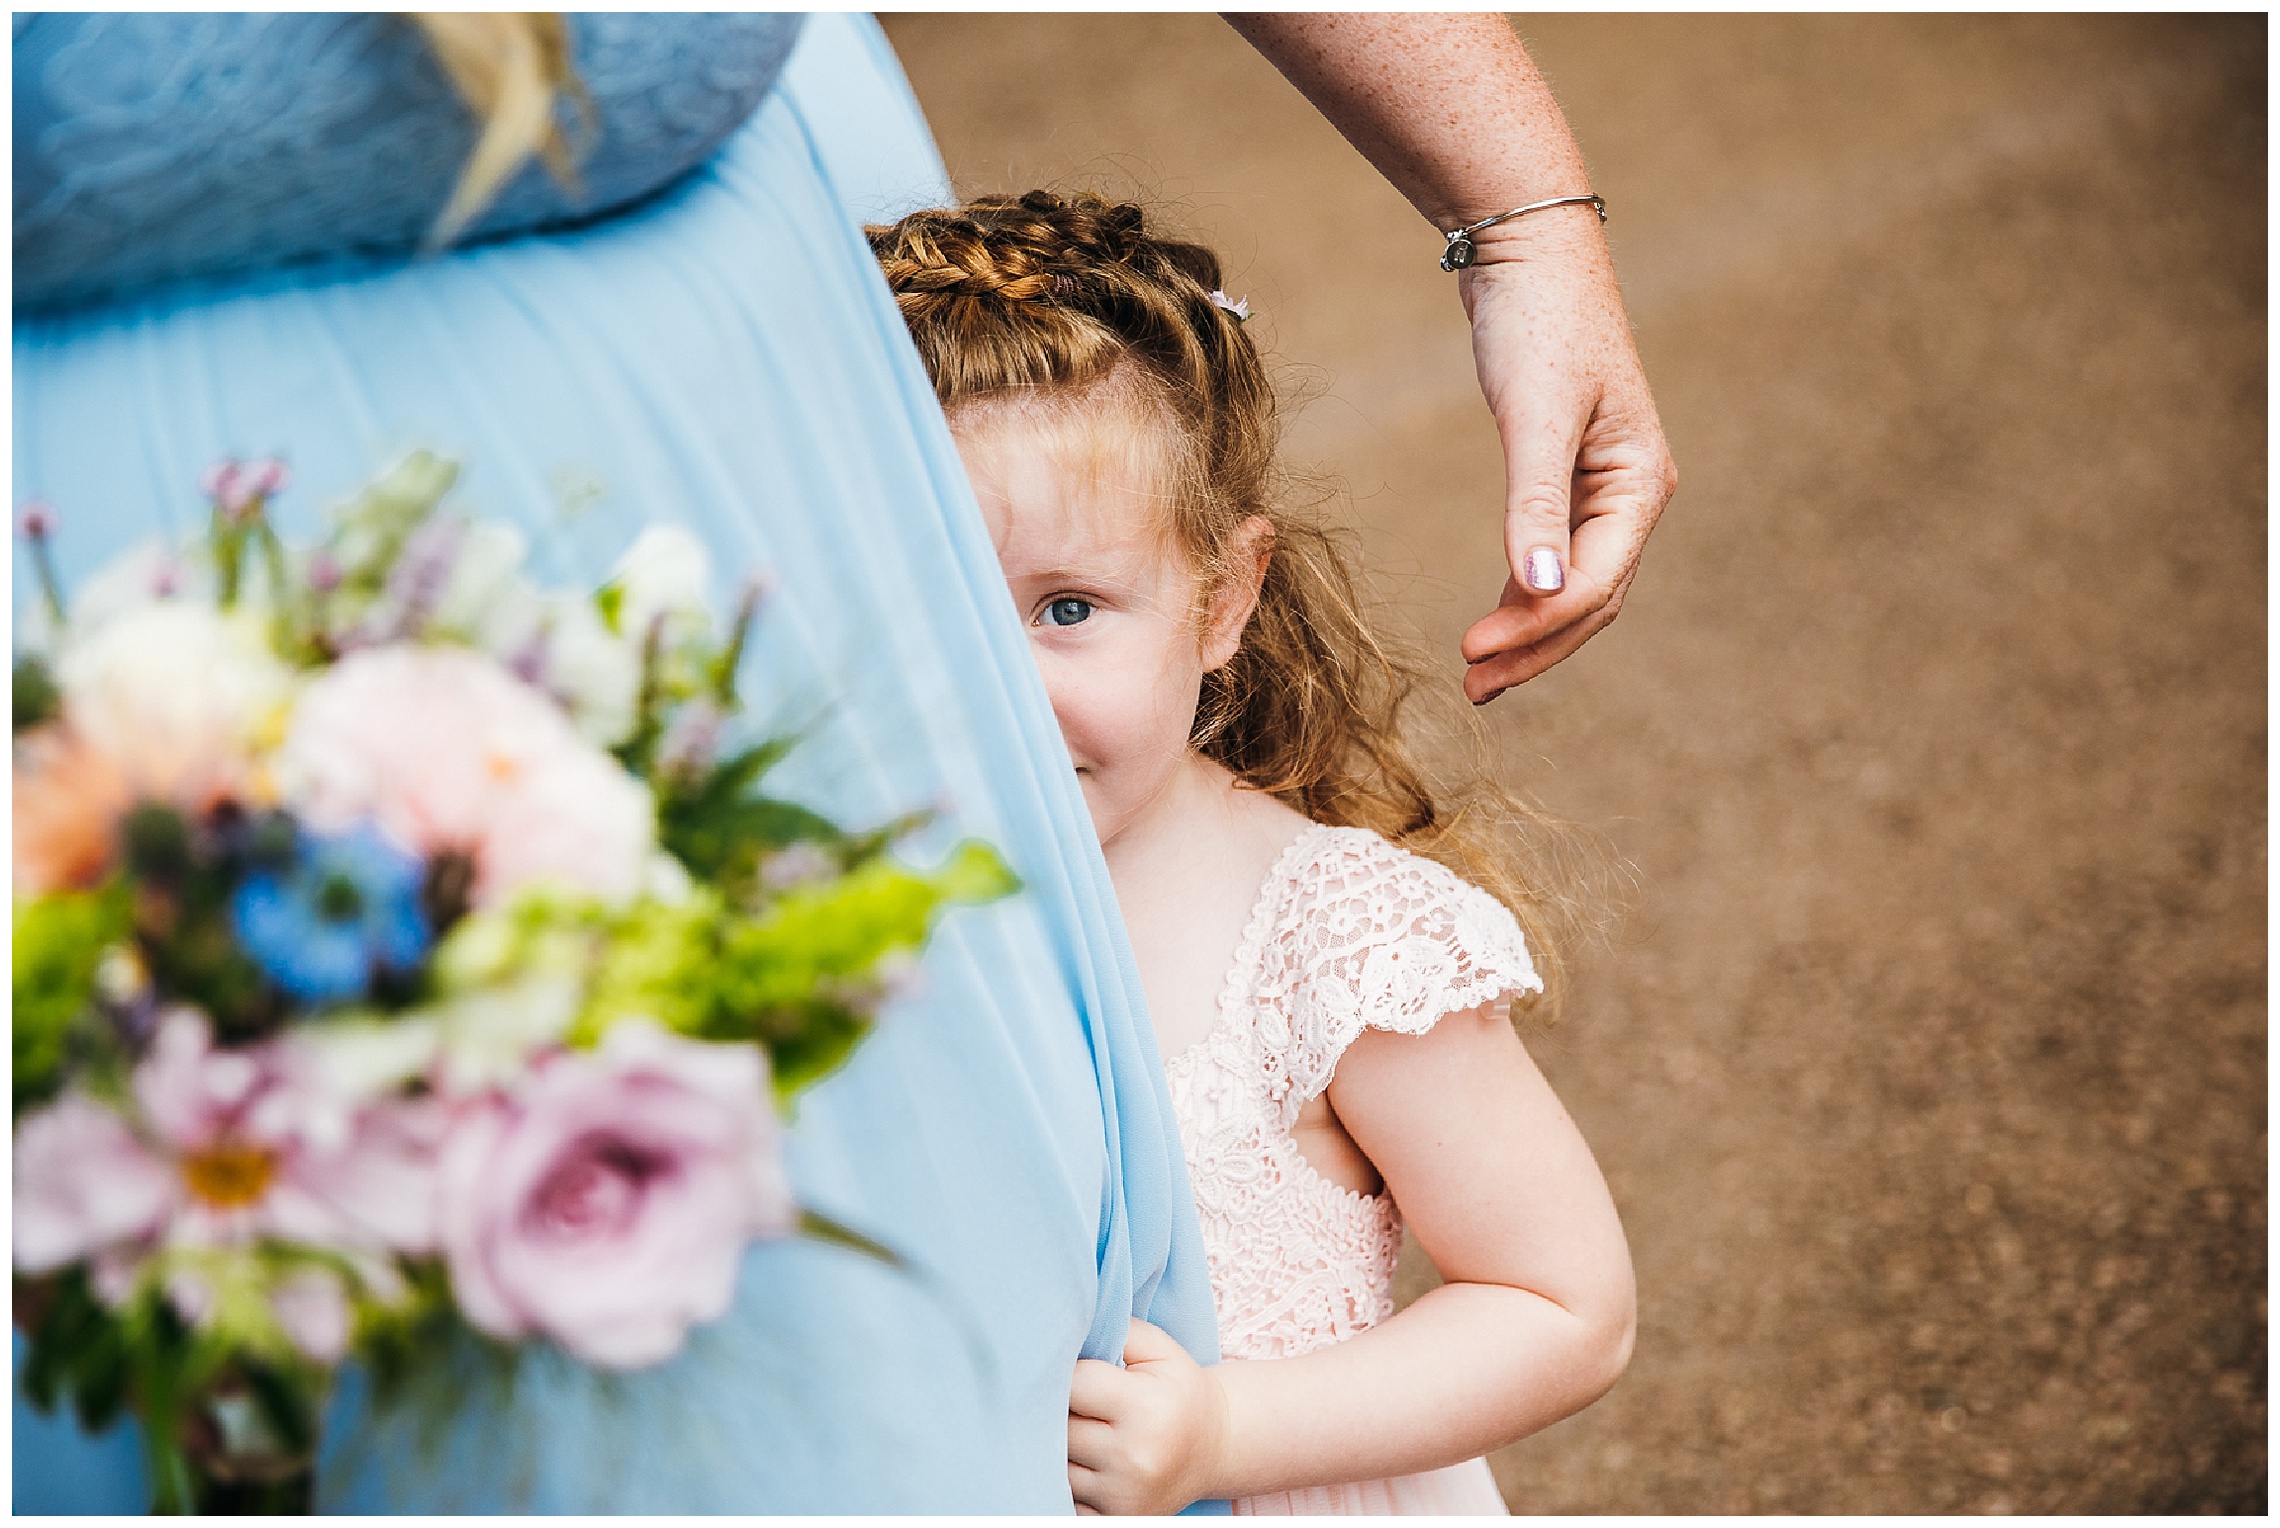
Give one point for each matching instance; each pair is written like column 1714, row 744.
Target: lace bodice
column 1349, row 933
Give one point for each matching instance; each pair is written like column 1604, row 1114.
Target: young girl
column 1331, row 997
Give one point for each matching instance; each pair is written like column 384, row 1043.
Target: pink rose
column 608, row 1203
column 449, row 751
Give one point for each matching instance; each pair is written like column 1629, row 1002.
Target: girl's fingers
column 1148, row 1344
column 1085, row 1490
column 1097, row 1390
column 1090, row 1443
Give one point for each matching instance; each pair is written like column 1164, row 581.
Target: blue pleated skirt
column 726, row 358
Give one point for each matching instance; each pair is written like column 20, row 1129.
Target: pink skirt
column 1461, row 1490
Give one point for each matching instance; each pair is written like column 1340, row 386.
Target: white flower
column 596, row 675
column 666, row 572
column 485, row 596
column 486, row 1037
column 178, row 696
column 146, row 571
column 668, row 880
column 358, row 1059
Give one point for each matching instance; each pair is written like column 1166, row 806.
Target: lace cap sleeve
column 1374, row 937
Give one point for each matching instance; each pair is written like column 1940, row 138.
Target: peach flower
column 68, row 801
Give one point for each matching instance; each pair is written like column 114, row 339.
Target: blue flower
column 344, row 906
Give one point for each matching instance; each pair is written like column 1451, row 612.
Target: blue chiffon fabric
column 726, row 357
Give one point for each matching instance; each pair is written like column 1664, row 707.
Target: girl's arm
column 1533, row 1324
column 1451, row 111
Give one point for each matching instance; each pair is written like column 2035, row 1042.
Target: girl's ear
column 1248, row 551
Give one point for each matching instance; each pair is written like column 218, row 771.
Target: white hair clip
column 1241, row 310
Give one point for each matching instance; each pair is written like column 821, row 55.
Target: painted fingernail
column 1542, row 571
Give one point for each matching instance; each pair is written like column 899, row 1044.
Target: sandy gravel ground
column 1929, row 1067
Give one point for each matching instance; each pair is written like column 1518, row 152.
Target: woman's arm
column 1533, row 1324
column 1451, row 111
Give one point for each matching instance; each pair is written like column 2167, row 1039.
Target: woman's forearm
column 1447, row 107
column 1466, row 1369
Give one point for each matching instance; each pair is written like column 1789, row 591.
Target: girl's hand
column 1146, row 1438
column 1586, row 468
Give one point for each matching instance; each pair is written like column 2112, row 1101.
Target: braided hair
column 1053, row 301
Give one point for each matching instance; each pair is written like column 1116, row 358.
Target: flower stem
column 43, row 566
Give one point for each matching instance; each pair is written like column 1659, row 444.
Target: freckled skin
column 1451, row 111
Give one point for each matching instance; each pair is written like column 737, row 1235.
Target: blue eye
column 1068, row 611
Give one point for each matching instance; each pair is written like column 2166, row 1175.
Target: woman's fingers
column 1528, row 633
column 1539, row 473
column 1491, row 677
column 1587, row 470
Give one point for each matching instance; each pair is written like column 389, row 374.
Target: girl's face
column 1076, row 500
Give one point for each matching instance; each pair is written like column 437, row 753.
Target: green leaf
column 60, row 940
column 609, row 601
column 824, row 1229
column 720, row 830
column 975, row 874
column 799, row 977
column 286, row 1404
column 78, row 1352
column 33, row 694
column 657, row 961
column 370, row 530
column 825, row 1038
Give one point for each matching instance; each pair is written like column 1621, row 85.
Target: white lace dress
column 1349, row 933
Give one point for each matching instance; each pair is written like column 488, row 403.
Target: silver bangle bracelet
column 1460, row 252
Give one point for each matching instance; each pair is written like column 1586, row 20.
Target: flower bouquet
column 403, row 948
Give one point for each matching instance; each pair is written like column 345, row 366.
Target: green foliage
column 78, row 1349
column 182, row 925
column 370, row 531
column 657, row 962
column 720, row 828
column 801, row 977
column 99, row 1359
column 34, row 697
column 823, row 1228
column 397, row 1338
column 59, row 943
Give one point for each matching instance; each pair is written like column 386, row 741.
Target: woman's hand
column 1145, row 1438
column 1450, row 109
column 1586, row 469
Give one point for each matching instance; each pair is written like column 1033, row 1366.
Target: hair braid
column 1053, row 299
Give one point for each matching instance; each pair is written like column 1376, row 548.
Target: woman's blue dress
column 724, row 356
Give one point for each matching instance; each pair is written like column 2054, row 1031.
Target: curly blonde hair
column 1046, row 300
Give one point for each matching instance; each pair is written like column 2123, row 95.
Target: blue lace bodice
column 158, row 145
